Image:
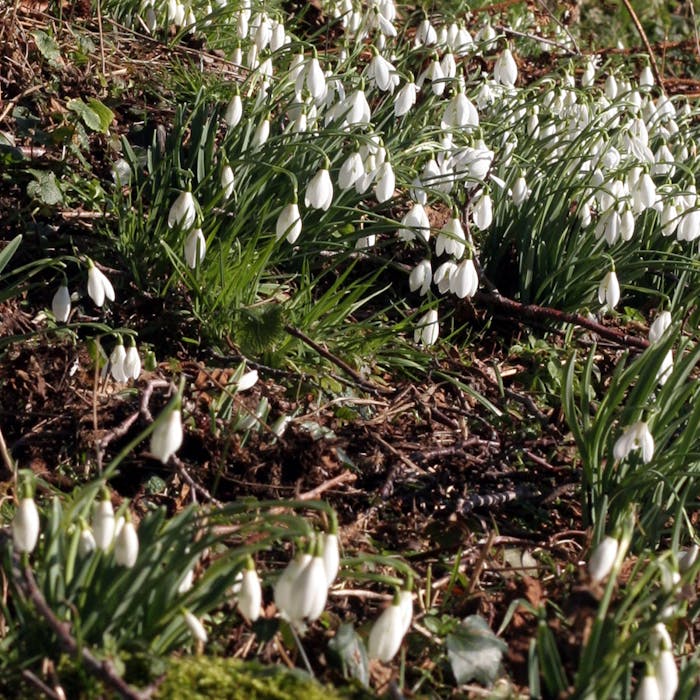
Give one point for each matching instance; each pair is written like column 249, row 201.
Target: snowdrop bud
column 405, row 99
column 250, row 593
column 464, row 282
column 132, row 362
column 86, row 541
column 116, row 362
column 262, row 133
column 520, row 191
column 420, row 277
column 602, row 559
column 666, row 673
column 183, row 211
column 247, row 381
column 505, row 71
column 195, row 247
column 195, row 626
column 121, row 173
column 635, row 437
column 103, row 524
column 482, row 211
column 659, row 326
column 166, row 437
column 648, row 688
column 227, row 181
column 386, row 182
column 187, row 581
column 350, row 171
column 60, row 304
column 427, row 328
column 126, row 545
column 331, row 556
column 315, row 79
column 25, row 526
column 588, row 76
column 688, row 557
column 286, row 584
column 99, row 287
column 308, row 597
column 234, row 111
column 609, row 290
column 289, row 223
column 387, row 633
column 646, row 77
column 319, row 191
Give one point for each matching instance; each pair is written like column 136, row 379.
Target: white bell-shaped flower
column 425, row 34
column 482, row 211
column 451, row 239
column 195, row 626
column 25, row 526
column 666, row 673
column 195, row 247
column 250, row 594
column 464, row 282
column 331, row 556
column 261, row 134
column 234, row 111
column 383, row 73
column 227, row 182
column 60, row 304
column 167, row 436
column 319, row 191
column 648, row 688
column 356, row 108
column 286, row 583
column 415, row 221
column 609, row 290
column 86, row 541
column 183, row 211
column 659, row 326
column 387, row 633
column 310, row 591
column 406, row 605
column 132, row 362
column 121, row 172
column 126, row 545
column 520, row 191
column 505, row 70
column 98, row 286
column 602, row 558
column 421, row 277
column 385, row 182
column 460, row 113
column 315, row 79
column 405, row 99
column 636, row 437
column 427, row 329
column 646, row 77
column 103, row 524
column 351, row 171
column 116, row 362
column 289, row 223
column 442, row 277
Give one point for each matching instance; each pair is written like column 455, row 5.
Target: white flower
column 405, row 99
column 195, row 247
column 602, row 558
column 103, row 524
column 609, row 290
column 415, row 220
column 196, row 627
column 666, row 368
column 25, row 526
column 187, row 580
column 520, row 191
column 659, row 326
column 132, row 362
column 451, row 239
column 234, row 111
column 250, row 595
column 688, row 557
column 227, row 181
column 60, row 304
column 427, row 328
column 666, row 673
column 460, row 113
column 351, row 171
column 443, row 276
column 262, row 133
column 387, row 633
column 289, row 223
column 505, row 71
column 286, row 583
column 331, row 556
column 121, row 172
column 86, row 541
column 99, row 287
column 319, row 191
column 116, row 362
column 315, row 79
column 183, row 212
column 648, row 688
column 386, row 182
column 247, row 380
column 126, row 545
column 406, row 605
column 482, row 211
column 464, row 281
column 166, row 437
column 310, row 591
column 383, row 73
column 356, row 108
column 420, row 277
column 636, row 437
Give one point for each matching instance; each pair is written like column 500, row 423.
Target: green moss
column 208, row 678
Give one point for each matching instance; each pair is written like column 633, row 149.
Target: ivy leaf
column 474, row 651
column 351, row 652
column 48, row 47
column 94, row 114
column 45, row 187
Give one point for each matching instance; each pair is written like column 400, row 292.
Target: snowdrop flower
column 183, row 212
column 588, row 76
column 405, row 98
column 289, row 223
column 167, row 435
column 126, row 544
column 319, row 191
column 415, row 221
column 659, row 326
column 646, row 78
column 331, row 555
column 443, row 276
column 451, row 239
column 482, row 211
column 351, row 171
column 25, row 525
column 505, row 70
column 227, row 181
column 103, row 523
column 648, row 688
column 459, row 113
column 116, row 362
column 86, row 541
column 383, row 73
column 521, row 191
column 250, row 593
column 448, row 65
column 247, row 381
column 60, row 304
column 261, row 134
column 310, row 591
column 666, row 673
column 286, row 584
column 427, row 329
column 688, row 557
column 195, row 247
column 195, row 626
column 636, row 437
column 387, row 633
column 609, row 290
column 420, row 277
column 464, row 282
column 385, row 182
column 356, row 108
column 314, row 78
column 98, row 286
column 132, row 362
column 187, row 581
column 602, row 559
column 176, row 13
column 437, row 78
column 121, row 172
column 234, row 111
column 425, row 34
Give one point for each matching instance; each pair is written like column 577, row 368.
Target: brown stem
column 645, row 41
